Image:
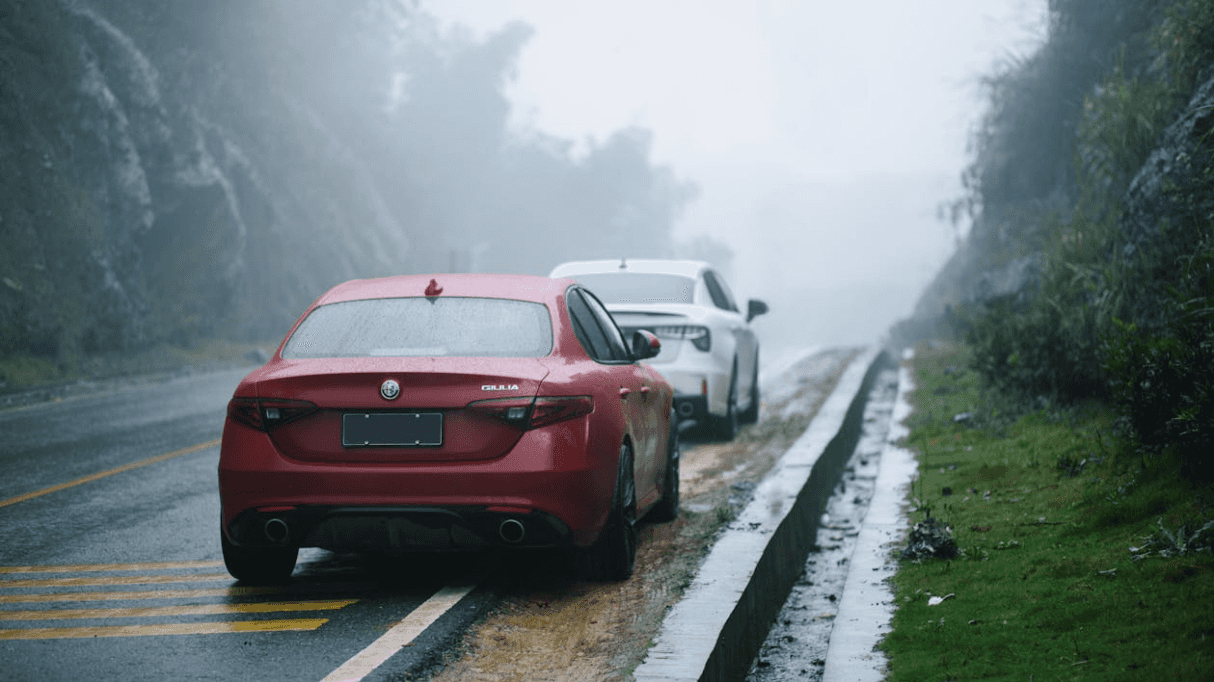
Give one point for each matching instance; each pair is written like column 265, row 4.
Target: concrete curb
column 714, row 632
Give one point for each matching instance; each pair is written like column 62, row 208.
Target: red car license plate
column 399, row 429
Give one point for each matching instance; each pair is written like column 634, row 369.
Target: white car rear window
column 424, row 327
column 639, row 287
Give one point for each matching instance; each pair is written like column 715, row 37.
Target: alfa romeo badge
column 389, row 390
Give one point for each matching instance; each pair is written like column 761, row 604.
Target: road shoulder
column 718, row 626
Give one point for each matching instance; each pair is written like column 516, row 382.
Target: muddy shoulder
column 549, row 626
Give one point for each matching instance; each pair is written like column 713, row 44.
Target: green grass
column 1045, row 508
column 19, row 371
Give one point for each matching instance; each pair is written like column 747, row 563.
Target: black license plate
column 399, row 429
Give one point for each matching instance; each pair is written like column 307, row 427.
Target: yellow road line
column 399, row 635
column 117, row 470
column 134, row 595
column 85, row 568
column 116, row 580
column 188, row 610
column 166, row 629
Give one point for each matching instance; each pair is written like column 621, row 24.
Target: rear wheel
column 258, row 565
column 726, row 427
column 751, row 415
column 667, row 509
column 613, row 555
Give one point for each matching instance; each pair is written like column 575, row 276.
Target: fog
column 177, row 171
column 825, row 139
column 174, row 171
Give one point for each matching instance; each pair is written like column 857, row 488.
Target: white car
column 709, row 352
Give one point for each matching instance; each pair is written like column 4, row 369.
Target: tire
column 613, row 555
column 667, row 509
column 751, row 415
column 258, row 565
column 725, row 428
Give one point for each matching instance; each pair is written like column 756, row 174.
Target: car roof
column 521, row 287
column 687, row 268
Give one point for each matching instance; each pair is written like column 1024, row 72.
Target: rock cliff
column 1100, row 126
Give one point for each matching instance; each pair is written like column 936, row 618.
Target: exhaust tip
column 276, row 530
column 512, row 531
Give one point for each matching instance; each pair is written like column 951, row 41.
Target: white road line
column 399, row 635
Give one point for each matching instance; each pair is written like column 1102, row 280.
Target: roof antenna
column 623, row 263
column 434, row 289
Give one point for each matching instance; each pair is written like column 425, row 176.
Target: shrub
column 1050, row 345
column 1065, row 341
column 1163, row 378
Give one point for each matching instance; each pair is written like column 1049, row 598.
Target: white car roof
column 687, row 268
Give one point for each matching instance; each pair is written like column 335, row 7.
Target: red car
column 449, row 412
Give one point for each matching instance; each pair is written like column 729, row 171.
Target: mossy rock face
column 148, row 198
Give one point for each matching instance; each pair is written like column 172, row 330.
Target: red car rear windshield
column 422, row 327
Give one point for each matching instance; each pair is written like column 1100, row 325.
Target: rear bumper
column 557, row 482
column 704, row 387
column 398, row 529
column 691, row 407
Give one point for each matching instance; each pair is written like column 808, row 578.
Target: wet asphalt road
column 122, row 577
column 111, row 566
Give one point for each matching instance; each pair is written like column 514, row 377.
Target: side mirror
column 755, row 308
column 645, row 345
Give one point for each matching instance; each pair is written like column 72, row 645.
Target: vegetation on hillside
column 1097, row 154
column 1067, row 444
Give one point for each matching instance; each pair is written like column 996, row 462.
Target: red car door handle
column 625, row 392
column 644, row 391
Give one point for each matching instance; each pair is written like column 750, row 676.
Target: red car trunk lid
column 423, row 386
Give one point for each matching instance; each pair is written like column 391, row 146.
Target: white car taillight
column 699, row 336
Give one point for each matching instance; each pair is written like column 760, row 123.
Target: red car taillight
column 528, row 413
column 552, row 410
column 264, row 414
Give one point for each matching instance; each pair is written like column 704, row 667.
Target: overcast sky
column 823, row 135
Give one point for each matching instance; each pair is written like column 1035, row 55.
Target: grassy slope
column 1045, row 510
column 19, row 372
